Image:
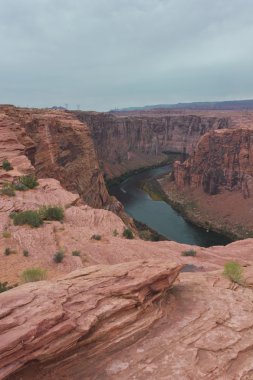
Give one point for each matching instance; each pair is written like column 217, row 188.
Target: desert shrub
column 58, row 257
column 189, row 252
column 30, row 217
column 4, row 286
column 52, row 213
column 20, row 187
column 6, row 234
column 7, row 251
column 6, row 165
column 128, row 234
column 96, row 237
column 25, row 253
column 234, row 272
column 8, row 190
column 34, row 274
column 29, row 181
column 115, row 233
column 76, row 253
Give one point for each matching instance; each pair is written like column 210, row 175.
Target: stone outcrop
column 223, row 160
column 87, row 313
column 57, row 145
column 128, row 321
column 128, row 142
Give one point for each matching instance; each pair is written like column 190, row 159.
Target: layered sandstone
column 127, row 321
column 87, row 313
column 132, row 141
column 57, row 145
column 222, row 160
column 218, row 180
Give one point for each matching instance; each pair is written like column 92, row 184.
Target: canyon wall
column 134, row 140
column 214, row 186
column 223, row 160
column 58, row 146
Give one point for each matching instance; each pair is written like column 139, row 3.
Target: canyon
column 122, row 307
column 132, row 140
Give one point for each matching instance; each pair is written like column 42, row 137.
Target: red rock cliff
column 223, row 160
column 59, row 146
column 127, row 142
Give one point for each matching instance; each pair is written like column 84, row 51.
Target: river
column 159, row 215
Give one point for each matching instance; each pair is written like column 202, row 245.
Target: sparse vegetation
column 35, row 218
column 128, row 234
column 34, row 274
column 234, row 272
column 7, row 252
column 8, row 190
column 6, row 165
column 189, row 252
column 20, row 187
column 29, row 181
column 6, row 234
column 115, row 233
column 4, row 286
column 52, row 213
column 25, row 253
column 30, row 217
column 76, row 253
column 96, row 237
column 58, row 257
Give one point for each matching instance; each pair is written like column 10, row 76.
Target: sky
column 103, row 54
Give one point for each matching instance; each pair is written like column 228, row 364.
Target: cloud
column 107, row 53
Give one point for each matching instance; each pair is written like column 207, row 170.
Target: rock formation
column 89, row 312
column 223, row 160
column 128, row 142
column 124, row 321
column 57, row 145
column 217, row 179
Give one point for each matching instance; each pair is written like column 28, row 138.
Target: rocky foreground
column 120, row 308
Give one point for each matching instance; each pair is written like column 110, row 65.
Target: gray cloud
column 112, row 53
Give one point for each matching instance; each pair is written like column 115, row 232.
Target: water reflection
column 159, row 215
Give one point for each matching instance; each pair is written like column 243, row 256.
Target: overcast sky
column 103, row 54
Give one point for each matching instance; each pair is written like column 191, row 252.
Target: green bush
column 6, row 165
column 234, row 272
column 58, row 257
column 189, row 252
column 96, row 237
column 30, row 217
column 4, row 286
column 128, row 234
column 8, row 190
column 7, row 251
column 20, row 187
column 34, row 274
column 76, row 253
column 25, row 253
column 29, row 181
column 52, row 213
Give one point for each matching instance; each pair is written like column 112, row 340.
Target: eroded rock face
column 127, row 321
column 223, row 160
column 128, row 142
column 57, row 145
column 89, row 312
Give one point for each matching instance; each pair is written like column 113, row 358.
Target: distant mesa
column 222, row 105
